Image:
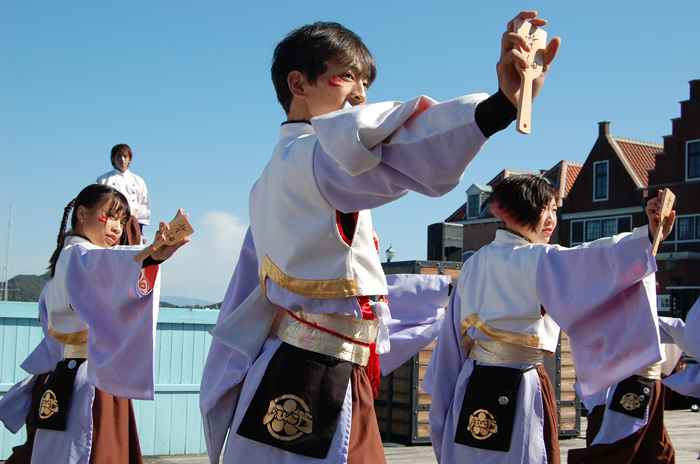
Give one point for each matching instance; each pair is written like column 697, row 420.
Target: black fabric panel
column 51, row 411
column 298, row 402
column 488, row 410
column 631, row 396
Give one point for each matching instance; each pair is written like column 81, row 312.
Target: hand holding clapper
column 179, row 229
column 537, row 39
column 667, row 200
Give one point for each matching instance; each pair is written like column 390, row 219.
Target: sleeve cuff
column 495, row 113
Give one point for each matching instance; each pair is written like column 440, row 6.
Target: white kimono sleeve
column 417, row 305
column 107, row 290
column 687, row 382
column 603, row 296
column 444, row 369
column 372, row 154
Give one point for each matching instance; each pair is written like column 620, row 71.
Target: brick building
column 479, row 225
column 608, row 196
column 678, row 168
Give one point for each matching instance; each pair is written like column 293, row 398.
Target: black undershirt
column 495, row 113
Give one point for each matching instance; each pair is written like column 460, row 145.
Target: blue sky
column 186, row 85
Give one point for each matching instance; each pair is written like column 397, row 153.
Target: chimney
column 603, row 129
column 695, row 90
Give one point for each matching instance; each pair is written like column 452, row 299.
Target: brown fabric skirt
column 22, row 454
column 114, row 437
column 365, row 441
column 551, row 419
column 650, row 444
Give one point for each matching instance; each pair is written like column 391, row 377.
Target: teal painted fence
column 171, row 424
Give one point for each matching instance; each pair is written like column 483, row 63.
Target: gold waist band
column 333, row 288
column 651, row 372
column 515, row 338
column 498, row 352
column 349, row 340
column 76, row 351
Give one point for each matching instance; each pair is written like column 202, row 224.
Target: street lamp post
column 389, row 254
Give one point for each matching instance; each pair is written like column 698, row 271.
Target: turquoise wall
column 171, row 424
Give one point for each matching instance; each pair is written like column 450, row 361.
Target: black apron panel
column 488, row 410
column 298, row 402
column 51, row 411
column 631, row 396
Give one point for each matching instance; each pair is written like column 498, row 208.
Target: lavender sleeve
column 371, row 155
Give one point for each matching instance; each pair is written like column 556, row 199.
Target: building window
column 694, row 160
column 686, row 228
column 686, row 233
column 474, row 206
column 593, row 229
column 600, row 181
column 577, row 232
column 609, row 227
column 663, row 304
column 624, row 224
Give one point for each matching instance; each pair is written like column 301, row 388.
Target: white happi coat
column 590, row 291
column 134, row 189
column 350, row 160
column 101, row 291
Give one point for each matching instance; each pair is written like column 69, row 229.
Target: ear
column 81, row 213
column 297, row 84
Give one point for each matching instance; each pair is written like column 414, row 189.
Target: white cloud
column 203, row 268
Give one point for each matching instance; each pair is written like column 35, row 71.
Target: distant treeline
column 24, row 287
column 28, row 288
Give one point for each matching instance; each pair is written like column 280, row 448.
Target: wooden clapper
column 179, row 229
column 667, row 200
column 537, row 38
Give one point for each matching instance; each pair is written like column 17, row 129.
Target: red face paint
column 336, row 82
column 103, row 218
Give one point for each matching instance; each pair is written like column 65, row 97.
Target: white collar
column 509, row 237
column 295, row 129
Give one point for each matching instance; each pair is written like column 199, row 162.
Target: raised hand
column 511, row 46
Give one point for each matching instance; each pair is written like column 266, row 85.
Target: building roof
column 637, row 157
column 562, row 175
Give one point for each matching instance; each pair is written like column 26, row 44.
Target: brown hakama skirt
column 114, row 437
column 365, row 440
column 649, row 444
column 551, row 420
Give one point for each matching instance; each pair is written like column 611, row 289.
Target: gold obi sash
column 498, row 352
column 76, row 351
column 651, row 372
column 506, row 347
column 336, row 335
column 331, row 288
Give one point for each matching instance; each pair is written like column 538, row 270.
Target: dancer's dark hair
column 91, row 197
column 521, row 199
column 310, row 48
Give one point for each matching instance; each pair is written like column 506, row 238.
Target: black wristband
column 495, row 113
column 150, row 262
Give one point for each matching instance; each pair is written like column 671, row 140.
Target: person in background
column 132, row 187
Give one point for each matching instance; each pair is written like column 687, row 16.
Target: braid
column 60, row 241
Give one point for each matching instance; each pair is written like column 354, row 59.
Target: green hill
column 25, row 287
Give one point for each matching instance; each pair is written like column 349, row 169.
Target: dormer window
column 474, row 206
column 693, row 156
column 600, row 181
